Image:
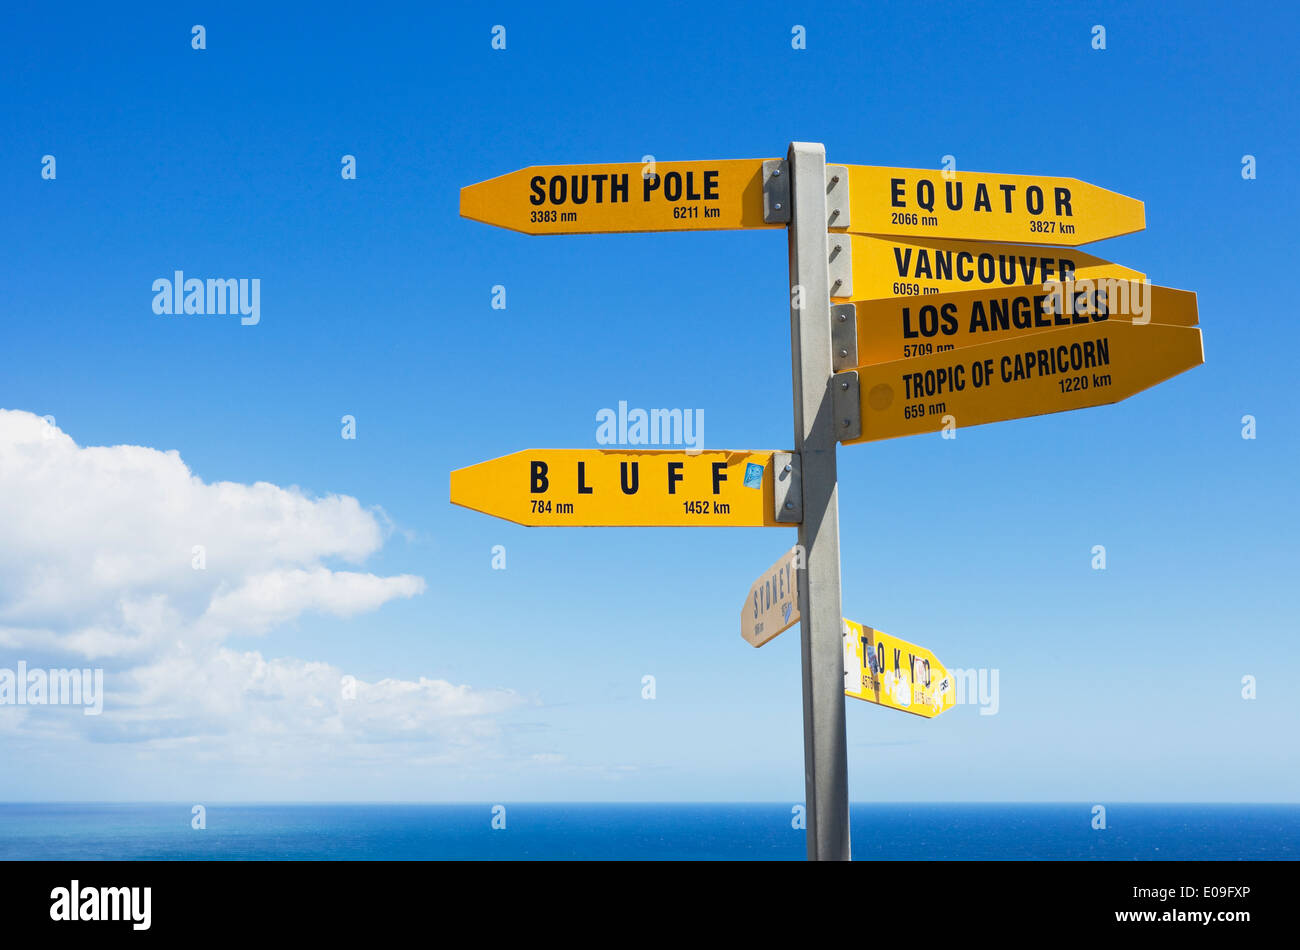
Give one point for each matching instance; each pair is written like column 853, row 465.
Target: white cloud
column 96, row 567
column 276, row 596
column 100, row 540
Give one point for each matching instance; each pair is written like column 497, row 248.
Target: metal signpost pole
column 825, row 752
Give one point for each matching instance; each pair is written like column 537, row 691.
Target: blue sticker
column 785, row 616
column 753, row 475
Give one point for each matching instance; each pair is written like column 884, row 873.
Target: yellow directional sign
column 1044, row 372
column 887, row 671
column 622, row 488
column 905, row 327
column 632, row 196
column 905, row 267
column 773, row 602
column 981, row 206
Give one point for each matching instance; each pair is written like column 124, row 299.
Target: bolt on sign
column 772, row 605
column 888, row 671
column 980, row 206
column 904, row 327
column 1052, row 371
column 632, row 196
column 622, row 488
column 908, row 267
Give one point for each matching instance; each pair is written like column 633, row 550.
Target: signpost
column 878, row 668
column 644, row 488
column 908, row 267
column 940, row 328
column 772, row 606
column 633, row 196
column 904, row 327
column 1053, row 371
column 981, row 206
column 889, row 671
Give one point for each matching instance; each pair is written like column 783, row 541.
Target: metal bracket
column 839, row 262
column 837, row 196
column 787, row 491
column 776, row 191
column 844, row 336
column 848, row 405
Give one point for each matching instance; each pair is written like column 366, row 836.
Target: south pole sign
column 642, row 196
column 920, row 300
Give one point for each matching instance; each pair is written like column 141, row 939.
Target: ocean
column 886, row 832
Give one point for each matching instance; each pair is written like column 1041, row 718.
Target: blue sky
column 1123, row 684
